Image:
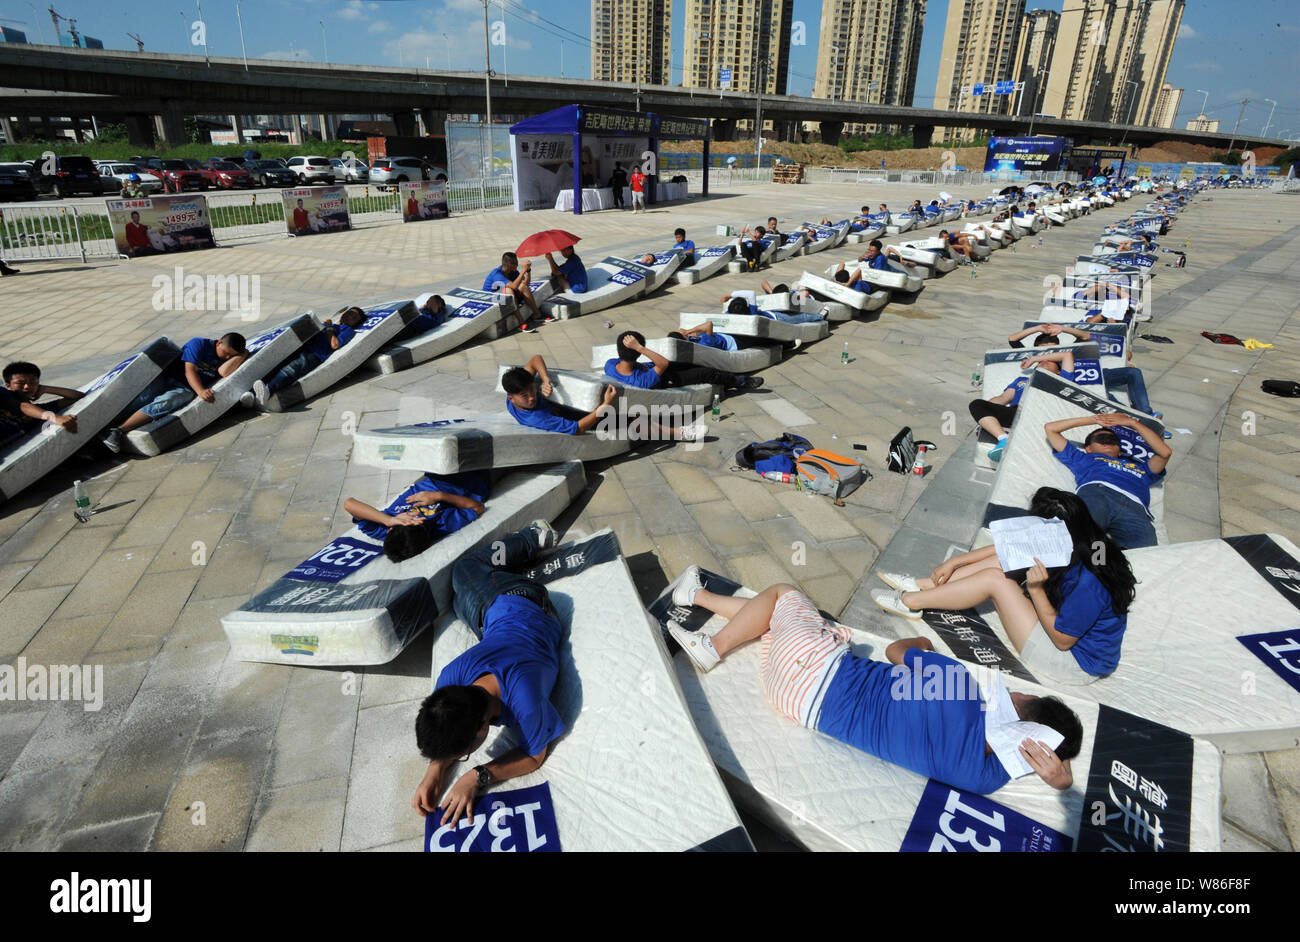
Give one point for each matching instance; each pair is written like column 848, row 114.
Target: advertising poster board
column 422, row 200
column 157, row 225
column 312, row 209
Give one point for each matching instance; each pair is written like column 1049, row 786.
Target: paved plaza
column 292, row 758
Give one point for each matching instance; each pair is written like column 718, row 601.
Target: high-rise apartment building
column 979, row 49
column 869, row 51
column 1166, row 108
column 1203, row 123
column 750, row 39
column 631, row 41
column 1034, row 51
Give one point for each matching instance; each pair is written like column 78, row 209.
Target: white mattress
column 832, row 289
column 931, row 253
column 489, row 441
column 828, row 237
column 267, row 350
column 35, row 455
column 791, row 245
column 382, row 323
column 764, row 328
column 631, row 772
column 1029, row 463
column 469, row 313
column 739, row 263
column 1002, row 367
column 744, row 360
column 612, row 281
column 584, row 391
column 370, row 615
column 890, row 278
column 708, row 262
column 1112, row 340
column 827, row 795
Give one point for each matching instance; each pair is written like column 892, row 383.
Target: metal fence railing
column 721, row 178
column 925, row 177
column 50, row 230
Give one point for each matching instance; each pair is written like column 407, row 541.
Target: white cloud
column 461, row 38
column 380, row 26
column 352, row 11
column 1186, row 32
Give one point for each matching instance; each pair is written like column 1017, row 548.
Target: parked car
column 312, row 169
column 115, row 174
column 176, row 175
column 349, row 171
column 72, row 175
column 389, row 171
column 222, row 174
column 16, row 183
column 270, row 173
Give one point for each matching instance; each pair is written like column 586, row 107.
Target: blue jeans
column 1123, row 518
column 796, row 318
column 1130, row 378
column 476, row 582
column 162, row 397
column 299, row 366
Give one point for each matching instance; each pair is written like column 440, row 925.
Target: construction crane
column 139, row 43
column 55, row 15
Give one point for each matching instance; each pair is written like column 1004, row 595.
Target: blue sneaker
column 1157, row 415
column 995, row 453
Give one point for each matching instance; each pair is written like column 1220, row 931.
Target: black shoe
column 753, row 382
column 6, row 270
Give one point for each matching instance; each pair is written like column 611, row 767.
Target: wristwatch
column 485, row 777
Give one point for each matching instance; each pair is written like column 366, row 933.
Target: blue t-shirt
column 931, row 735
column 1019, row 383
column 880, row 262
column 687, row 246
column 643, row 374
column 441, row 519
column 1132, row 476
column 319, row 346
column 717, row 341
column 1087, row 613
column 521, row 649
column 203, row 354
column 496, row 278
column 575, row 273
column 426, row 320
column 541, row 416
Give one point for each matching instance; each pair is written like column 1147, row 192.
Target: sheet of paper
column 1005, row 730
column 1019, row 539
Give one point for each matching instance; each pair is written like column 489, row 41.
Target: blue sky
column 1232, row 50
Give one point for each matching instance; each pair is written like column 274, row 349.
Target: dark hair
column 509, row 258
column 1098, row 433
column 1091, row 543
column 876, row 244
column 678, row 335
column 515, row 380
column 842, row 276
column 449, row 720
column 759, row 231
column 1046, row 340
column 866, row 210
column 772, row 219
column 624, row 354
column 353, row 317
column 235, row 342
column 404, row 542
column 1052, row 712
column 21, row 367
column 780, row 288
column 442, row 305
column 680, row 232
column 737, row 306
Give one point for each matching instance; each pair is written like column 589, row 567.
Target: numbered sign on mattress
column 519, row 821
column 342, row 557
column 949, row 819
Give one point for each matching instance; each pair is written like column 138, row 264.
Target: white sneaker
column 260, row 393
column 546, row 535
column 691, row 433
column 697, row 646
column 684, row 592
column 247, row 400
column 890, row 602
column 896, row 580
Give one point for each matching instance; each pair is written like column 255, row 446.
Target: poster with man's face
column 155, row 225
column 422, row 200
column 312, row 209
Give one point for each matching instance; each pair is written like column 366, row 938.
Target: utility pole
column 758, row 113
column 1240, row 114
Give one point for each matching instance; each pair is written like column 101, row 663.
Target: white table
column 602, row 198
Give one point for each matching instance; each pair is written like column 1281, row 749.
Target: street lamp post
column 198, row 4
column 1034, row 103
column 1129, row 120
column 239, row 15
column 1204, row 101
column 1269, row 123
column 325, row 46
column 447, row 45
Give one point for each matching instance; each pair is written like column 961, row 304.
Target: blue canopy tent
column 576, row 145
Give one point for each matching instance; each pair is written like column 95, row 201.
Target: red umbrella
column 549, row 240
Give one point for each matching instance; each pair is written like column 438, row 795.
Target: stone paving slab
column 286, row 758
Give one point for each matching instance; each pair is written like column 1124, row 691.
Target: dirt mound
column 1175, row 152
column 825, row 155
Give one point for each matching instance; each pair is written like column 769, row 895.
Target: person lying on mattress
column 523, row 403
column 812, row 676
column 433, row 313
column 1067, row 623
column 958, row 242
column 19, row 411
column 1115, row 486
column 314, row 352
column 741, row 304
column 504, row 680
column 424, row 513
column 856, row 279
column 661, row 373
column 998, row 414
column 706, row 336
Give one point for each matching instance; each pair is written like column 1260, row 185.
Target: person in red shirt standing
column 638, row 189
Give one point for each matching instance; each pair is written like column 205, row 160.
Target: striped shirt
column 798, row 657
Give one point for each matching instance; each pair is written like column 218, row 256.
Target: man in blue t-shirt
column 315, row 351
column 510, row 279
column 527, row 408
column 572, row 275
column 1115, row 486
column 425, row 512
column 996, row 415
column 686, row 245
column 433, row 313
column 659, row 372
column 201, row 364
column 504, row 680
column 706, row 336
column 812, row 675
column 741, row 304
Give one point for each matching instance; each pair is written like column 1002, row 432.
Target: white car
column 312, row 169
column 118, row 173
column 349, row 171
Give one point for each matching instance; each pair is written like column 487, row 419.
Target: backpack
column 835, row 476
column 1281, row 387
column 777, row 454
column 902, row 451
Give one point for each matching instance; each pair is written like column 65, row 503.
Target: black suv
column 72, row 175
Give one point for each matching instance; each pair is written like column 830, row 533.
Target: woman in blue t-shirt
column 1067, row 623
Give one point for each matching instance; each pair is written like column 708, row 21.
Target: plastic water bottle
column 717, row 406
column 781, row 476
column 975, row 379
column 918, row 466
column 80, row 497
column 844, row 357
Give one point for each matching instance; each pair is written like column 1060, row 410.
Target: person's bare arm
column 1003, row 398
column 588, row 421
column 508, row 765
column 894, row 653
column 1076, row 333
column 1054, row 429
column 659, row 360
column 1045, row 762
column 62, row 392
column 360, row 510
column 429, row 498
column 1153, row 440
column 537, row 366
column 196, row 383
column 1022, row 334
column 1035, row 580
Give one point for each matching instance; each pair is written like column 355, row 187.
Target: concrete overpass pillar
column 432, row 121
column 724, row 129
column 922, row 135
column 7, row 126
column 139, row 130
column 237, row 125
column 831, row 131
column 170, row 124
column 326, row 128
column 404, row 122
